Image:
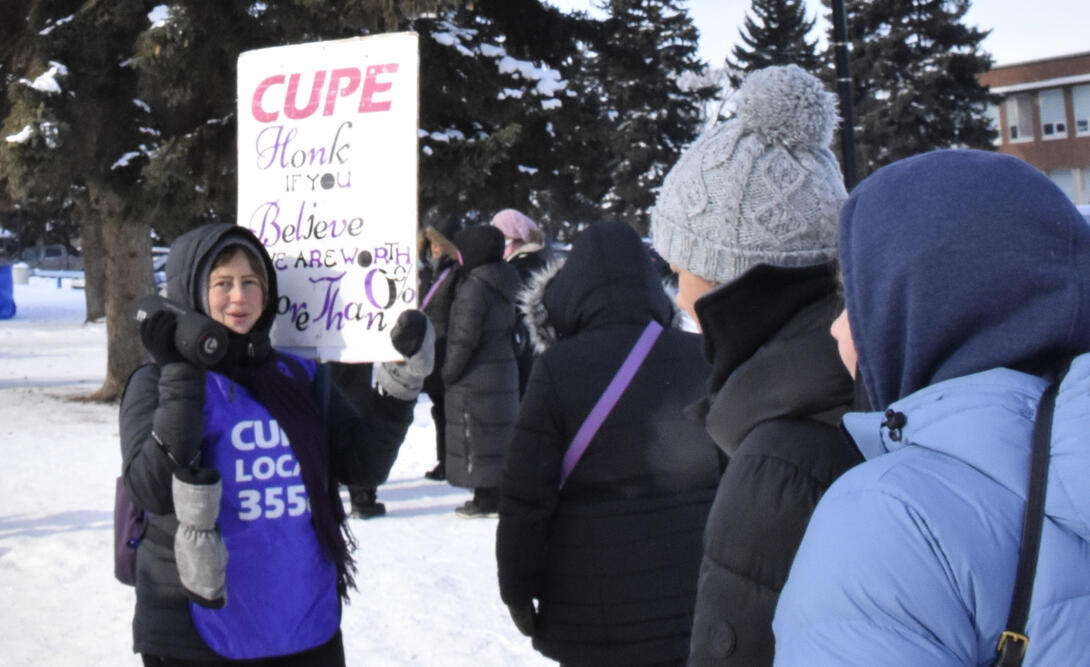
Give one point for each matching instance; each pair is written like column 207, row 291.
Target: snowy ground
column 428, row 593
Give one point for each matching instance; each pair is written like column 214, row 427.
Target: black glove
column 157, row 334
column 409, row 332
column 523, row 616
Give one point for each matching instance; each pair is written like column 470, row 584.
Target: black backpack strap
column 1013, row 642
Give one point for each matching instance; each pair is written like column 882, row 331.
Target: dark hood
column 606, row 279
column 191, row 254
column 478, row 245
column 960, row 261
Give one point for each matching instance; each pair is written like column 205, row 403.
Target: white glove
column 414, row 337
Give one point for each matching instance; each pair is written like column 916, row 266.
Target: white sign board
column 327, row 179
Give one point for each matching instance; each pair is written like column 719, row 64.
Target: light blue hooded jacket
column 959, row 268
column 910, row 558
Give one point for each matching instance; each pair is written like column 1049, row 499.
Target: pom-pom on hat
column 760, row 188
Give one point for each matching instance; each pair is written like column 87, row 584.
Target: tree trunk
column 94, row 267
column 127, row 253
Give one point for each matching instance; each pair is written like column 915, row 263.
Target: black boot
column 364, row 505
column 438, row 473
column 485, row 505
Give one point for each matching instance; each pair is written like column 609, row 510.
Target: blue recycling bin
column 7, row 294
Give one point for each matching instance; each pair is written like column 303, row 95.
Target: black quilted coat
column 777, row 393
column 480, row 372
column 612, row 559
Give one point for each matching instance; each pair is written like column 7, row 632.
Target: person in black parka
column 480, row 372
column 748, row 218
column 612, row 558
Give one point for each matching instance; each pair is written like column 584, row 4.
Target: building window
column 1065, row 180
column 1080, row 100
column 991, row 112
column 1053, row 116
column 1019, row 118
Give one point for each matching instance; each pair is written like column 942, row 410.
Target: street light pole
column 844, row 90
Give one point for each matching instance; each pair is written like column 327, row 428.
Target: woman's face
column 690, row 287
column 842, row 332
column 510, row 245
column 236, row 296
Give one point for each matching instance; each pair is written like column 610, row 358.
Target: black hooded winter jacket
column 480, row 372
column 612, row 559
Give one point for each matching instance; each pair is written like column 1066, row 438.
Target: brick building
column 1044, row 117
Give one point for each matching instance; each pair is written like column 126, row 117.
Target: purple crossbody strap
column 609, row 398
column 434, row 286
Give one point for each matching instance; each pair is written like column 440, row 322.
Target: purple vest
column 281, row 588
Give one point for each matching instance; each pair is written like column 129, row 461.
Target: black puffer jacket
column 479, row 372
column 170, row 400
column 613, row 557
column 776, row 396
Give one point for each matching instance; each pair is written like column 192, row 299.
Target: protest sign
column 327, row 179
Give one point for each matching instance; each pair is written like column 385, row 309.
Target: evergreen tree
column 646, row 47
column 914, row 79
column 132, row 131
column 775, row 34
column 133, row 123
column 492, row 97
column 187, row 61
column 70, row 125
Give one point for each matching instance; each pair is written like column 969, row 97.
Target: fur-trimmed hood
column 436, row 238
column 531, row 303
column 606, row 279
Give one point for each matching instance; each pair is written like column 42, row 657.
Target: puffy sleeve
column 366, row 430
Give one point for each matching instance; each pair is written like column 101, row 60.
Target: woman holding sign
column 247, row 554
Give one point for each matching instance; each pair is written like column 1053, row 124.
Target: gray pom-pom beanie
column 760, row 188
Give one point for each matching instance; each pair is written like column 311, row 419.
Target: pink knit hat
column 516, row 225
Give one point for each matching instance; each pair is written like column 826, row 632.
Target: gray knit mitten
column 414, row 337
column 198, row 546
